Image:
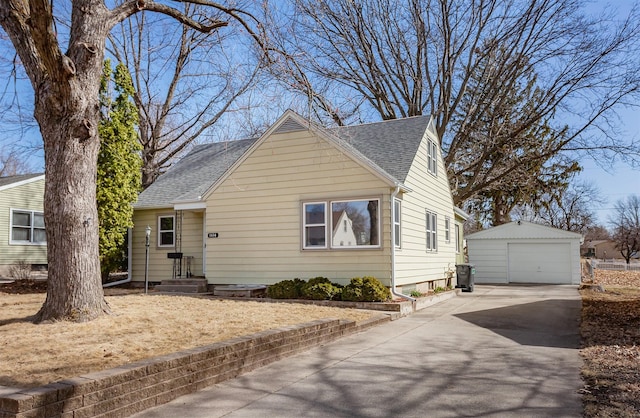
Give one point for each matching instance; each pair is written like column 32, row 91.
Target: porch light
column 146, row 264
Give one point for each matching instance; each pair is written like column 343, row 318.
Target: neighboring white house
column 343, row 233
column 22, row 234
column 524, row 252
column 258, row 211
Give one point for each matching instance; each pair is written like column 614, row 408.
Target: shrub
column 20, row 271
column 321, row 288
column 286, row 289
column 366, row 289
column 415, row 294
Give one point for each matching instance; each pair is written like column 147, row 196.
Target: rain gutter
column 393, row 247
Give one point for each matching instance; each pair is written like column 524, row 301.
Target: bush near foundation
column 321, row 288
column 286, row 289
column 366, row 289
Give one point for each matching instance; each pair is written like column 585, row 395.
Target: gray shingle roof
column 190, row 177
column 389, row 145
column 7, row 180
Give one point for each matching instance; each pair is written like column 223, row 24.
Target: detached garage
column 524, row 252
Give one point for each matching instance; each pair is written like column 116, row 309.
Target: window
column 457, row 238
column 27, row 227
column 432, row 158
column 342, row 223
column 396, row 222
column 166, row 231
column 315, row 225
column 447, row 229
column 432, row 231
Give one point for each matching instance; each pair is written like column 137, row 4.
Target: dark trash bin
column 465, row 274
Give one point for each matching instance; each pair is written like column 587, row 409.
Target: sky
column 613, row 183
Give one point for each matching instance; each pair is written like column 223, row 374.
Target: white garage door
column 539, row 263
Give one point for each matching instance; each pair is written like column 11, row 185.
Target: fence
column 613, row 265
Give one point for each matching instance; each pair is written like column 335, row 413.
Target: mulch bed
column 23, row 287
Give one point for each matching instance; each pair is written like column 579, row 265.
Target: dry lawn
column 147, row 326
column 143, row 326
column 611, row 345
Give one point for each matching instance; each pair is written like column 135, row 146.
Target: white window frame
column 328, row 225
column 32, row 228
column 354, row 247
column 431, row 229
column 305, row 225
column 457, row 238
column 397, row 222
column 432, row 158
column 447, row 229
column 161, row 231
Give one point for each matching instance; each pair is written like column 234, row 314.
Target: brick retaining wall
column 125, row 390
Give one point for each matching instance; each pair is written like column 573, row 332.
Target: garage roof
column 523, row 230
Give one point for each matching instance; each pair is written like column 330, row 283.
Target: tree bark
column 67, row 111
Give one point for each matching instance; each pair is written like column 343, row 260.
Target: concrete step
column 167, row 288
column 192, row 285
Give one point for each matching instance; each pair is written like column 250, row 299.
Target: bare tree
column 571, row 209
column 626, row 226
column 11, row 164
column 395, row 59
column 66, row 84
column 204, row 78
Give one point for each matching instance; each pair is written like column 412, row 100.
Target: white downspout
column 129, row 261
column 393, row 247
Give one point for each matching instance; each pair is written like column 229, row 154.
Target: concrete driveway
column 497, row 352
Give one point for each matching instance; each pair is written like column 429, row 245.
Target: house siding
column 161, row 267
column 29, row 196
column 257, row 213
column 414, row 264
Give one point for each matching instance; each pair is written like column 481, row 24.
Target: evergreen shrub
column 366, row 289
column 321, row 288
column 286, row 289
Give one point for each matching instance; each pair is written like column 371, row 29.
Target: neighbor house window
column 396, row 222
column 457, row 238
column 447, row 230
column 314, row 228
column 166, row 231
column 432, row 158
column 432, row 231
column 342, row 223
column 27, row 227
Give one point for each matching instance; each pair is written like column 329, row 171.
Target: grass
column 610, row 331
column 143, row 326
column 147, row 326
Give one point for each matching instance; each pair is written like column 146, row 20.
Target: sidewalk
column 499, row 351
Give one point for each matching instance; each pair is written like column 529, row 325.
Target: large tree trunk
column 67, row 111
column 75, row 285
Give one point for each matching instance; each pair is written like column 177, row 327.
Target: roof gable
column 386, row 148
column 9, row 182
column 190, row 177
column 391, row 145
column 523, row 230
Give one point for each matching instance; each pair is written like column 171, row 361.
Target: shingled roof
column 388, row 146
column 391, row 145
column 190, row 177
column 7, row 181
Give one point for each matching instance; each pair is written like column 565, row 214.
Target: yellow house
column 22, row 233
column 259, row 211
